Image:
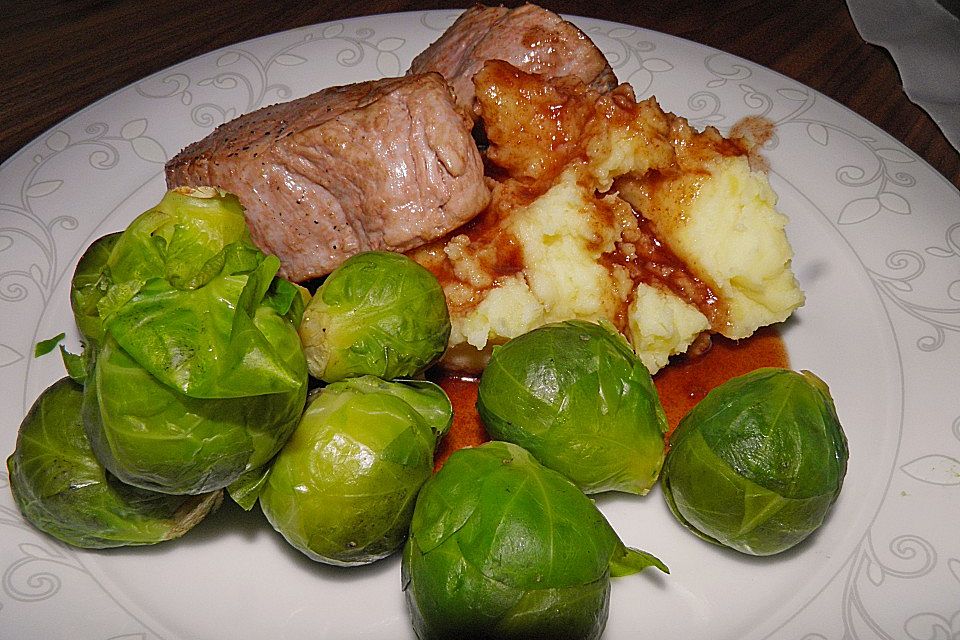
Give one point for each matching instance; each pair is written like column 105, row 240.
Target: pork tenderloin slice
column 387, row 164
column 529, row 37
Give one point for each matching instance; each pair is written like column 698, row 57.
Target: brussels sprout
column 200, row 376
column 181, row 239
column 342, row 490
column 502, row 547
column 378, row 314
column 205, row 342
column 89, row 285
column 577, row 397
column 425, row 397
column 757, row 464
column 184, row 285
column 62, row 489
column 152, row 436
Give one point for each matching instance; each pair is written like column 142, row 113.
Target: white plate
column 877, row 239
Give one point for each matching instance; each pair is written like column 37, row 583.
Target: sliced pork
column 530, row 38
column 388, row 164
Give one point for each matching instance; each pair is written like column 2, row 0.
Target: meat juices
column 530, row 38
column 388, row 164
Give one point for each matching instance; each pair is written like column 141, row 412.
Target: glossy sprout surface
column 758, row 463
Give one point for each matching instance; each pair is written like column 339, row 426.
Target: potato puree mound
column 608, row 208
column 563, row 235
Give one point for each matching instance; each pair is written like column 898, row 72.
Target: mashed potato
column 562, row 237
column 661, row 325
column 609, row 208
column 719, row 216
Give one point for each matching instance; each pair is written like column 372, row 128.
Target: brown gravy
column 467, row 428
column 681, row 384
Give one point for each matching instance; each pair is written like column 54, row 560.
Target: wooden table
column 58, row 56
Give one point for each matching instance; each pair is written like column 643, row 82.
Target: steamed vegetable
column 378, row 314
column 185, row 287
column 89, row 284
column 502, row 547
column 152, row 436
column 343, row 488
column 576, row 396
column 63, row 490
column 757, row 464
column 245, row 490
column 199, row 376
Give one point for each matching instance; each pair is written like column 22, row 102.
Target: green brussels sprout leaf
column 90, row 282
column 629, row 561
column 76, row 364
column 287, row 299
column 429, row 400
column 179, row 289
column 44, row 347
column 245, row 490
column 204, row 341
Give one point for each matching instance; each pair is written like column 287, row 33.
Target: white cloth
column 924, row 40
